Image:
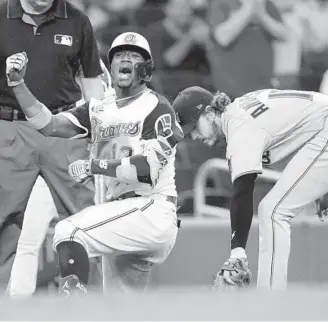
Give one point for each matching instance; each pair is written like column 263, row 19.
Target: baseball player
column 275, row 124
column 133, row 140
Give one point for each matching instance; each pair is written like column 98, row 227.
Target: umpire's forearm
column 27, row 101
column 38, row 115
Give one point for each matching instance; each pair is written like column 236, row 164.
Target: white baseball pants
column 304, row 180
column 134, row 234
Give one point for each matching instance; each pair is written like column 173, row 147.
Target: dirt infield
column 175, row 304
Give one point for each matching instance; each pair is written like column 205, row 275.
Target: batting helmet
column 136, row 42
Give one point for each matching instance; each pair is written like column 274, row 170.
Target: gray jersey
column 275, row 123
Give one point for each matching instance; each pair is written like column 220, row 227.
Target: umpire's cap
column 189, row 105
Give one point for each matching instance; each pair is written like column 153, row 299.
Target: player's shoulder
column 163, row 106
column 163, row 111
column 256, row 93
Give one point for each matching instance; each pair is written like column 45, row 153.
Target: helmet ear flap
column 144, row 70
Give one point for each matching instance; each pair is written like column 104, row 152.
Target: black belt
column 9, row 114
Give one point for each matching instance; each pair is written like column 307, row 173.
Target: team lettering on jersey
column 101, row 133
column 250, row 101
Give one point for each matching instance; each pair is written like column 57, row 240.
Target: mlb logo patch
column 63, row 40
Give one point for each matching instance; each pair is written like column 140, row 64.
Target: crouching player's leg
column 303, row 181
column 136, row 233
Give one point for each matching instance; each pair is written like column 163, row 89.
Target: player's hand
column 233, row 273
column 80, row 170
column 15, row 69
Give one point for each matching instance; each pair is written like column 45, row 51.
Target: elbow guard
column 146, row 167
column 133, row 169
column 40, row 120
column 126, row 172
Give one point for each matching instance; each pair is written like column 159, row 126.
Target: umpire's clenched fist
column 15, row 68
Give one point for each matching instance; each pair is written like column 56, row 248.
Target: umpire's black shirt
column 56, row 43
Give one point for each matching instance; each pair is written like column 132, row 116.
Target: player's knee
column 64, row 231
column 269, row 210
column 265, row 209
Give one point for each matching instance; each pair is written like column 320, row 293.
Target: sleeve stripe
column 76, row 122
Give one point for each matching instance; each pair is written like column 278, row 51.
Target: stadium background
column 203, row 241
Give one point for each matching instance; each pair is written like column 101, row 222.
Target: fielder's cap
column 130, row 40
column 189, row 105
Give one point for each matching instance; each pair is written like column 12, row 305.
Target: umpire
column 58, row 39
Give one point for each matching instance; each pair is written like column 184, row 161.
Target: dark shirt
column 161, row 40
column 56, row 48
column 247, row 63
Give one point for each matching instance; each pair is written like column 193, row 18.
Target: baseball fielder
column 133, row 140
column 275, row 124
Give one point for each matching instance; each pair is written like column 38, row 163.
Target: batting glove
column 80, row 170
column 15, row 69
column 234, row 273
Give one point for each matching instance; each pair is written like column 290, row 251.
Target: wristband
column 40, row 120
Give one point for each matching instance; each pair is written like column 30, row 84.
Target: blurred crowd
column 280, row 43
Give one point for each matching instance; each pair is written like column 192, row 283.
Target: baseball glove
column 234, row 273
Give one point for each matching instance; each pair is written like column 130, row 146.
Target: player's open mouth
column 124, row 72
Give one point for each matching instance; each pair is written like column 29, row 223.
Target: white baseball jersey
column 270, row 123
column 146, row 126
